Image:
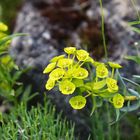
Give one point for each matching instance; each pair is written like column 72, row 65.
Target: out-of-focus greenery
column 37, row 124
column 8, row 11
column 11, row 90
column 103, row 129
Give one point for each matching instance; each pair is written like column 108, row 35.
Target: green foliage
column 39, row 123
column 104, row 129
column 10, row 89
column 133, row 24
column 132, row 125
column 134, row 58
column 135, row 82
column 101, row 124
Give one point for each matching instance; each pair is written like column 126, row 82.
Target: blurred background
column 9, row 11
column 55, row 24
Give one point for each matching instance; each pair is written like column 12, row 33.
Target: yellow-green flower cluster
column 3, row 29
column 68, row 73
column 63, row 69
column 106, row 85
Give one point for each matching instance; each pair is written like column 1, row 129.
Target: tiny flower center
column 113, row 85
column 67, row 88
column 80, row 74
column 78, row 103
column 102, row 72
column 118, row 102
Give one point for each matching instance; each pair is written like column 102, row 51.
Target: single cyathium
column 67, row 72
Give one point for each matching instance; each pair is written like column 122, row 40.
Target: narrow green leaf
column 133, row 23
column 133, row 58
column 133, row 107
column 136, row 30
column 130, row 81
column 4, row 40
column 93, row 105
column 117, row 114
column 133, row 92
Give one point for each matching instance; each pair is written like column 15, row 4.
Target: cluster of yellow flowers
column 67, row 72
column 3, row 29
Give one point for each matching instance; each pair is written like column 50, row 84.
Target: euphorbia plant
column 69, row 73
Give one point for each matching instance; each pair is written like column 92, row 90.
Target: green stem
column 82, row 63
column 78, row 64
column 112, row 75
column 117, row 131
column 89, row 93
column 73, row 57
column 72, row 60
column 68, row 56
column 109, row 126
column 103, row 29
column 96, row 79
column 122, row 81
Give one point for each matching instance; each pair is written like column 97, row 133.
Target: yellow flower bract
column 50, row 84
column 82, row 55
column 112, row 85
column 78, row 102
column 118, row 101
column 80, row 73
column 114, row 65
column 56, row 58
column 69, row 73
column 101, row 71
column 64, row 62
column 57, row 74
column 66, row 87
column 50, row 67
column 70, row 50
